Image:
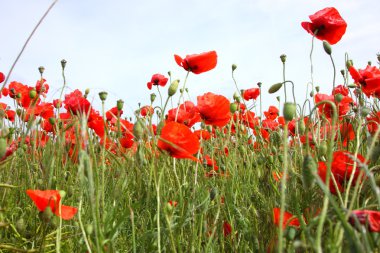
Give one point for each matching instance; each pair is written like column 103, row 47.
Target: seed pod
column 365, row 111
column 103, row 95
column 234, row 66
column 120, row 104
column 32, row 94
column 309, row 168
column 3, row 147
column 46, row 215
column 301, row 126
column 233, row 107
column 289, row 111
column 283, row 58
column 274, row 88
column 338, row 97
column 322, row 148
column 138, row 129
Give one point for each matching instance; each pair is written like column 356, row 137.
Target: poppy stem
column 283, row 188
column 181, row 96
column 332, row 61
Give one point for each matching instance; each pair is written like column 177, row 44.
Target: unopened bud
column 62, row 193
column 369, row 63
column 317, row 89
column 103, row 95
column 3, row 147
column 311, row 93
column 173, row 87
column 234, row 66
column 46, row 215
column 169, row 73
column 365, row 111
column 18, row 95
column 233, row 107
column 259, row 84
column 278, row 98
column 349, row 63
column 274, row 88
column 309, row 168
column 322, row 148
column 52, row 120
column 343, row 72
column 289, row 111
column 352, row 86
column 138, row 129
column 236, row 96
column 327, row 47
column 301, row 126
column 152, row 97
column 86, row 92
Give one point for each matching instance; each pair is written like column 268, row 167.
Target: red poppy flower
column 57, row 103
column 203, row 134
column 272, row 113
column 227, row 228
column 198, row 63
column 172, row 203
column 289, row 219
column 343, row 164
column 2, row 77
column 178, row 140
column 76, row 103
column 344, row 105
column 368, row 79
column 11, row 115
column 51, row 198
column 42, row 87
column 113, row 112
column 326, row 24
column 157, row 79
column 322, row 171
column 251, row 93
column 5, row 92
column 187, row 114
column 367, row 217
column 214, row 109
column 340, row 89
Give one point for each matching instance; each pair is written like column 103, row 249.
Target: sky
column 116, row 46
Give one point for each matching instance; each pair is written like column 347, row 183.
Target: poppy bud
column 309, row 168
column 278, row 98
column 103, row 95
column 274, row 88
column 152, row 97
column 234, row 66
column 317, row 89
column 378, row 57
column 338, row 97
column 283, row 58
column 169, row 73
column 18, row 95
column 342, row 72
column 290, row 233
column 120, row 104
column 32, row 94
column 311, row 93
column 233, row 107
column 322, row 148
column 289, row 111
column 327, row 47
column 41, row 69
column 62, row 193
column 3, row 147
column 52, row 120
column 20, row 226
column 352, row 86
column 138, row 129
column 301, row 126
column 63, row 63
column 259, row 84
column 236, row 97
column 173, row 87
column 89, row 229
column 369, row 63
column 365, row 111
column 46, row 215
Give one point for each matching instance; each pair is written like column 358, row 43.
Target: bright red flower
column 5, row 92
column 340, row 89
column 157, row 79
column 198, row 63
column 2, row 77
column 172, row 203
column 343, row 164
column 322, row 171
column 272, row 113
column 214, row 109
column 42, row 87
column 251, row 93
column 203, row 134
column 178, row 140
column 368, row 79
column 11, row 115
column 187, row 114
column 326, row 24
column 289, row 219
column 113, row 112
column 344, row 105
column 227, row 228
column 366, row 217
column 76, row 103
column 51, row 198
column 57, row 103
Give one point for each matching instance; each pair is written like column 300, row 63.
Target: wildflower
column 326, row 24
column 76, row 103
column 272, row 113
column 366, row 217
column 113, row 112
column 146, row 110
column 251, row 93
column 368, row 79
column 214, row 109
column 2, row 77
column 187, row 114
column 178, row 140
column 289, row 219
column 52, row 199
column 157, row 79
column 198, row 63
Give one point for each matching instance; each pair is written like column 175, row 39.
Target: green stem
column 283, row 188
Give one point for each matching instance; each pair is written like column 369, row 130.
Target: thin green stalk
column 332, row 61
column 181, row 95
column 283, row 188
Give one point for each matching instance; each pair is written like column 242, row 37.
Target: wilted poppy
column 366, row 217
column 178, row 140
column 51, row 198
column 214, row 109
column 326, row 24
column 198, row 63
column 157, row 79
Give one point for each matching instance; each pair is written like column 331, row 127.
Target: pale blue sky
column 117, row 46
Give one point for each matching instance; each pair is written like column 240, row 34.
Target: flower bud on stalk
column 338, row 97
column 120, row 104
column 234, row 66
column 274, row 88
column 41, row 69
column 152, row 97
column 283, row 58
column 289, row 111
column 103, row 95
column 63, row 63
column 233, row 107
column 327, row 47
column 32, row 94
column 173, row 87
column 138, row 129
column 3, row 147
